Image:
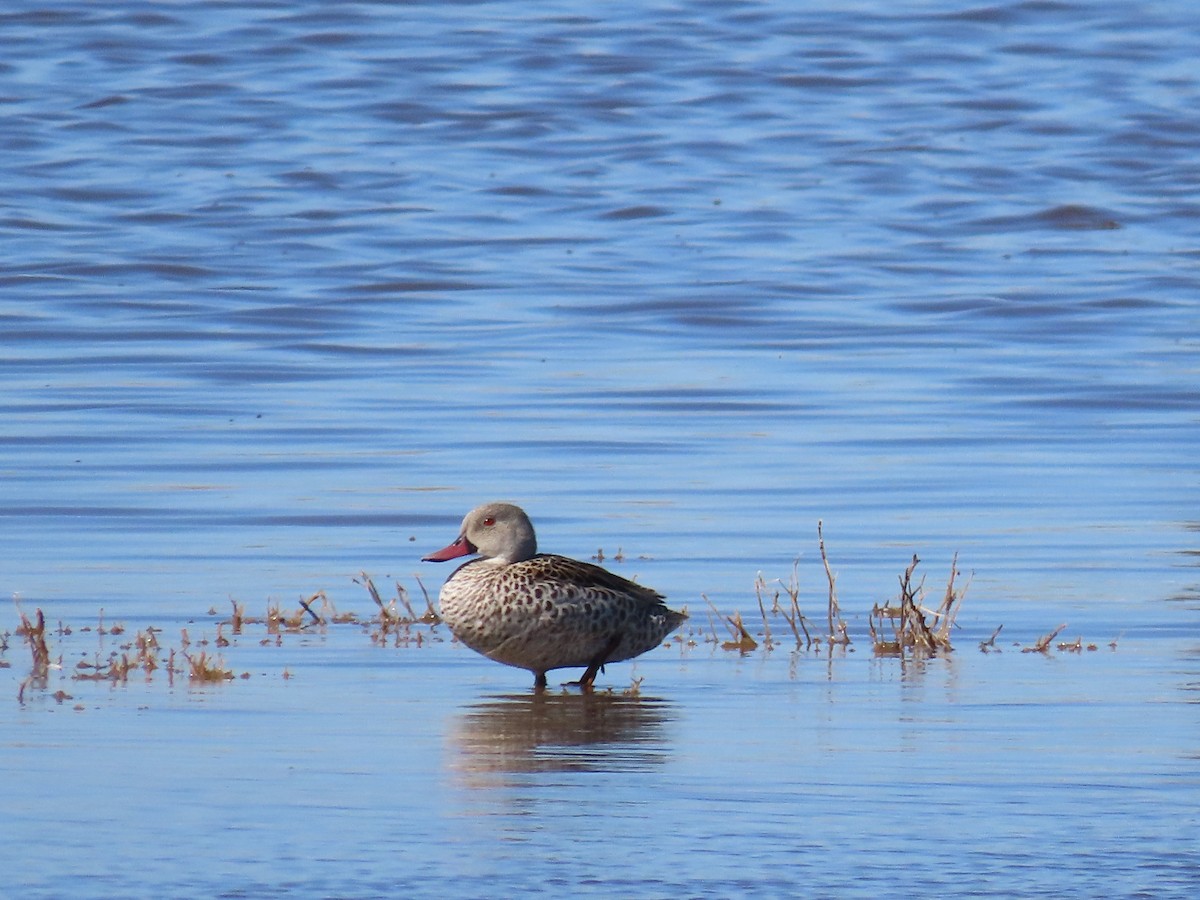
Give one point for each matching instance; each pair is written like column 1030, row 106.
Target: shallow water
column 288, row 288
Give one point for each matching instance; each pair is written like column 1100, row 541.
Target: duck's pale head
column 500, row 532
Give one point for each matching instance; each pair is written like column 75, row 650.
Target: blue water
column 286, row 288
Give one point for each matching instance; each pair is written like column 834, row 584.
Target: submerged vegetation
column 910, row 630
column 198, row 661
column 905, row 626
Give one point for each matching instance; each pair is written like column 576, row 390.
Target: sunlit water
column 287, row 288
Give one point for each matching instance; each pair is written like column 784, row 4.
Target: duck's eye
column 489, row 522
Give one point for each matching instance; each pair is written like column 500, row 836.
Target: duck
column 539, row 611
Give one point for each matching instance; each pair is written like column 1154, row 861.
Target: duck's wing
column 586, row 577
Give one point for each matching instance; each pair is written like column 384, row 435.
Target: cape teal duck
column 538, row 611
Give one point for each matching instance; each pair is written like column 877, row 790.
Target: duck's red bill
column 461, row 547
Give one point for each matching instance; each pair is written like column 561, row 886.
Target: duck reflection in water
column 567, row 732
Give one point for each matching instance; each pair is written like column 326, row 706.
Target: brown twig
column 35, row 637
column 909, row 628
column 943, row 618
column 1043, row 643
column 1075, row 646
column 792, row 615
column 742, row 640
column 766, row 625
column 745, row 642
column 990, row 643
column 308, row 607
column 402, row 594
column 837, row 628
column 387, row 616
column 914, row 631
column 201, row 668
column 431, row 615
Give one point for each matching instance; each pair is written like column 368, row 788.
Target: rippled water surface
column 286, row 288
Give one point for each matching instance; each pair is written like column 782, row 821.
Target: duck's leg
column 597, row 664
column 539, row 681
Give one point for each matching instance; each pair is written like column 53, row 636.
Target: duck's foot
column 596, row 665
column 585, row 683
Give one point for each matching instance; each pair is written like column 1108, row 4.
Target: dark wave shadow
column 562, row 732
